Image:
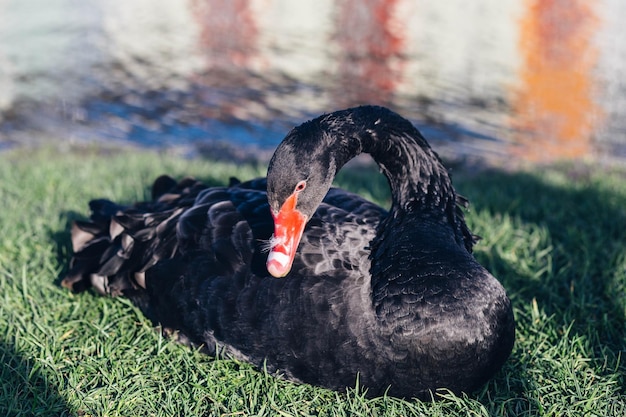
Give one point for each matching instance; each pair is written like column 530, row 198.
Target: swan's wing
column 119, row 244
column 336, row 240
column 227, row 226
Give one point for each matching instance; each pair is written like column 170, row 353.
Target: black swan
column 393, row 299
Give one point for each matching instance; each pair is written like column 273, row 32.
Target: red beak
column 288, row 227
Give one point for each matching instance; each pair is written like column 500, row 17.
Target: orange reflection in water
column 554, row 110
column 228, row 39
column 371, row 41
column 228, row 31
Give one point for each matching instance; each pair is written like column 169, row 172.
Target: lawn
column 554, row 236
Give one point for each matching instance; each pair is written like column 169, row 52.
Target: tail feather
column 118, row 244
column 83, row 232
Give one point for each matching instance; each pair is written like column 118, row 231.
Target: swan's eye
column 300, row 186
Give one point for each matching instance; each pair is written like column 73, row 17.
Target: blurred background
column 491, row 80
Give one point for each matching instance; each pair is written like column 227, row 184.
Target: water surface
column 499, row 80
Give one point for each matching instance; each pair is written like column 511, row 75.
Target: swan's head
column 299, row 176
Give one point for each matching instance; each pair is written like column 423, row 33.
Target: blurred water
column 493, row 79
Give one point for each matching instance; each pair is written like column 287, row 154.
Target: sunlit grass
column 554, row 236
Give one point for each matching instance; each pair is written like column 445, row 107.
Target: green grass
column 555, row 237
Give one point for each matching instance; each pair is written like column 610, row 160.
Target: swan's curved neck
column 415, row 173
column 424, row 222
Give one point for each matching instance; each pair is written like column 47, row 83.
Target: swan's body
column 395, row 298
